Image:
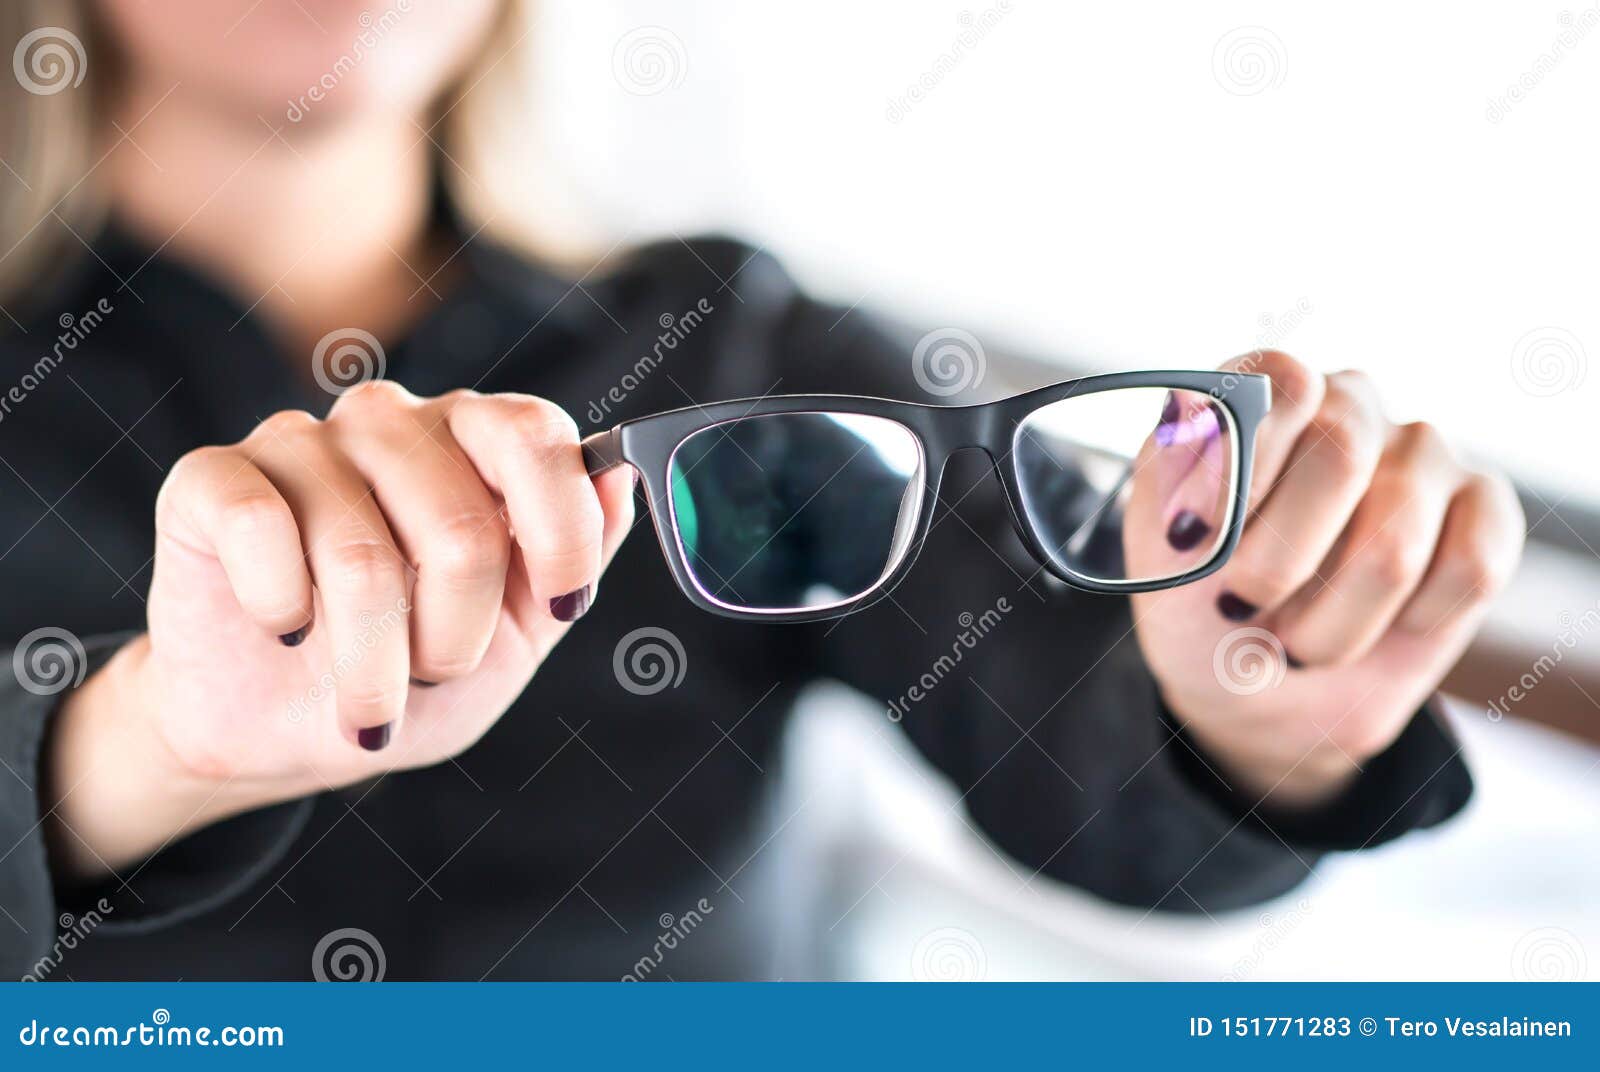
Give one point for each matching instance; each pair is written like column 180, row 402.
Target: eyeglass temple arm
column 603, row 451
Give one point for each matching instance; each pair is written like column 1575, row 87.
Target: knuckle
column 1293, row 383
column 1354, row 382
column 1420, row 440
column 470, row 547
column 1487, row 557
column 1476, row 571
column 1348, row 443
column 185, row 470
column 1496, row 495
column 1394, row 559
column 362, row 565
column 371, row 394
column 287, row 422
column 538, row 425
column 1418, row 453
column 254, row 516
column 200, row 457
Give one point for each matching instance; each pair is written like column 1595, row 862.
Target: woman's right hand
column 331, row 600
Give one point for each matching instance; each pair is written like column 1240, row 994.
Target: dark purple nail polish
column 1294, row 664
column 421, row 684
column 375, row 738
column 1234, row 609
column 570, row 607
column 1169, row 411
column 294, row 639
column 1198, row 428
column 1187, row 530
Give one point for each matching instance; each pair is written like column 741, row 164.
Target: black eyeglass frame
column 648, row 444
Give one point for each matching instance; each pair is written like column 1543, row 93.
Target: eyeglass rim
column 897, row 554
column 648, row 443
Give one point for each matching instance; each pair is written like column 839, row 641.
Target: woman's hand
column 1368, row 559
column 334, row 599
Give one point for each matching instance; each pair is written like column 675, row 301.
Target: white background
column 1127, row 185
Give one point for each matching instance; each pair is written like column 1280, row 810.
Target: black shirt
column 553, row 848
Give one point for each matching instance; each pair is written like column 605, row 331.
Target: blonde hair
column 496, row 168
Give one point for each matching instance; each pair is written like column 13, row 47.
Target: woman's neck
column 315, row 228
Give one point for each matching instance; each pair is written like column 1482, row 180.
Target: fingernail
column 1294, row 664
column 421, row 684
column 1187, row 530
column 636, row 479
column 570, row 607
column 1233, row 608
column 1167, row 428
column 293, row 640
column 375, row 738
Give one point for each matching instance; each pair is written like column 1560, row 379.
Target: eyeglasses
column 803, row 507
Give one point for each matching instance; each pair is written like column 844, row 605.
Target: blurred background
column 1408, row 189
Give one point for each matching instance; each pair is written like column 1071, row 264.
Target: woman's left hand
column 1368, row 559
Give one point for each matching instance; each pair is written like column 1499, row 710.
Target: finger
column 615, row 489
column 217, row 502
column 1326, row 473
column 1476, row 554
column 360, row 575
column 1381, row 555
column 1181, row 480
column 1199, row 440
column 527, row 451
column 446, row 522
column 1297, row 395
